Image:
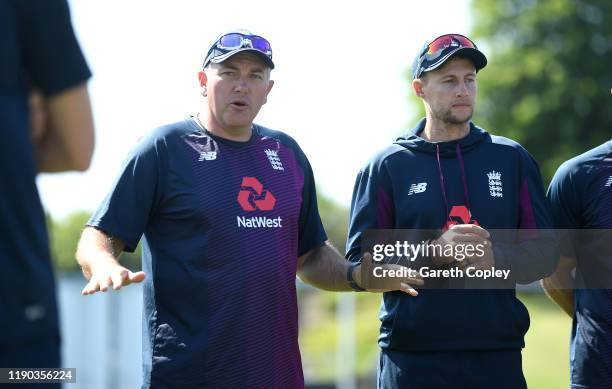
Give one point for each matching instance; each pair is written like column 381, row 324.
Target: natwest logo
column 259, row 222
column 253, row 196
column 459, row 214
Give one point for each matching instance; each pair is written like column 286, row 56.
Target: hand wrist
column 353, row 276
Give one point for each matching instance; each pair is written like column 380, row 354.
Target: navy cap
column 238, row 41
column 436, row 52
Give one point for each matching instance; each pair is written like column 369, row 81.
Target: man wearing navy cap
column 228, row 210
column 449, row 175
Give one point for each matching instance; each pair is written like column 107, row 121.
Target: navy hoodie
column 481, row 178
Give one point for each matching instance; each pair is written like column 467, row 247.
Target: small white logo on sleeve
column 417, row 188
column 495, row 184
column 274, row 160
column 609, row 183
column 207, row 156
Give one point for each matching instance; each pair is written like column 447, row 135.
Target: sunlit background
column 340, row 78
column 342, row 91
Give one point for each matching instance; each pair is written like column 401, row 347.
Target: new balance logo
column 274, row 160
column 495, row 184
column 207, row 156
column 609, row 182
column 417, row 188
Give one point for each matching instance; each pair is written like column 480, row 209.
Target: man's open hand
column 111, row 274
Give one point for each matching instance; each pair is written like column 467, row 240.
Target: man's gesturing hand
column 363, row 273
column 110, row 274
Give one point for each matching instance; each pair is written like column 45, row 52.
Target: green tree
column 64, row 236
column 548, row 81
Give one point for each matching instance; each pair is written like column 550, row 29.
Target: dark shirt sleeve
column 371, row 208
column 311, row 231
column 136, row 193
column 51, row 56
column 565, row 205
column 563, row 199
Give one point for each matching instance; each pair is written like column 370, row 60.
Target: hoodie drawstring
column 463, row 179
column 442, row 181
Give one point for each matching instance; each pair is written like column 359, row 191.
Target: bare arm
column 324, row 268
column 560, row 285
column 63, row 131
column 97, row 254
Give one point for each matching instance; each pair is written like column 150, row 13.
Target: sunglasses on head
column 436, row 51
column 237, row 40
column 438, row 45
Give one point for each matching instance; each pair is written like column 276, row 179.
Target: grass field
column 545, row 357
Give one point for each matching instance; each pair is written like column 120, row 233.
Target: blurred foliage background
column 548, row 80
column 547, row 86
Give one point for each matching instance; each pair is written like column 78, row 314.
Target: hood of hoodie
column 452, row 149
column 413, row 141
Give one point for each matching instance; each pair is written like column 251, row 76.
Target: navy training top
column 39, row 50
column 581, row 198
column 224, row 223
column 481, row 178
